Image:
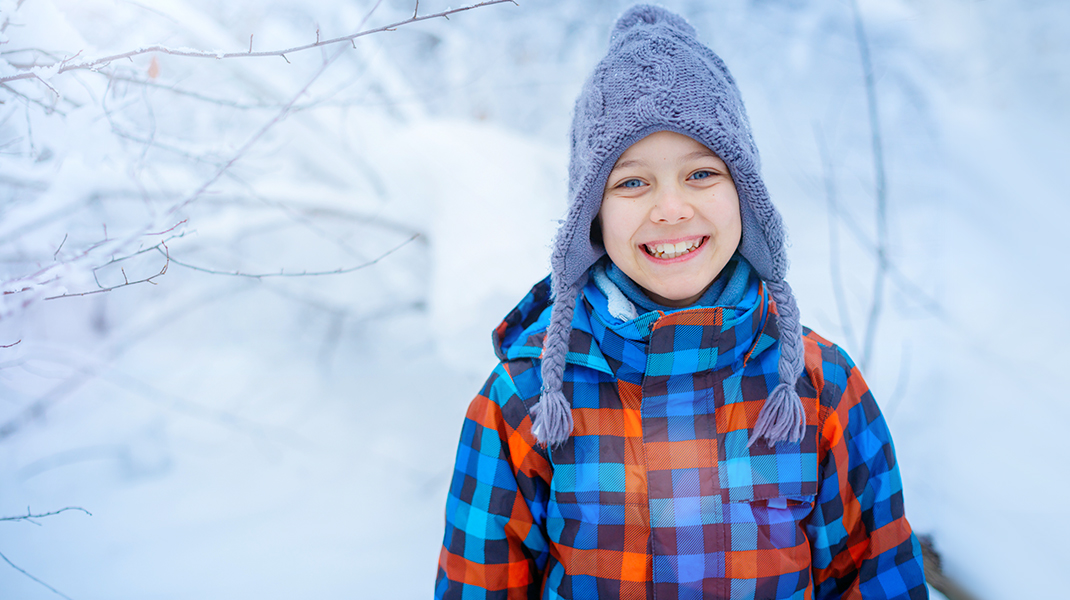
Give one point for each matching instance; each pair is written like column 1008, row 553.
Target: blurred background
column 306, row 255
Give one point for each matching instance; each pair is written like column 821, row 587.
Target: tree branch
column 93, row 65
column 338, row 271
column 126, row 282
column 834, row 239
column 30, row 516
column 877, row 300
column 23, row 571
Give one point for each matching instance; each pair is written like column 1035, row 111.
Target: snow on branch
column 44, row 73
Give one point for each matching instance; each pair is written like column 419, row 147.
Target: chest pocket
column 769, row 493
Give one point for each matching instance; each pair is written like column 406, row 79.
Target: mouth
column 670, row 251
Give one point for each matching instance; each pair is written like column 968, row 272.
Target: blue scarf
column 729, row 289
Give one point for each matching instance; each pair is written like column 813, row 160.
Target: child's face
column 670, row 217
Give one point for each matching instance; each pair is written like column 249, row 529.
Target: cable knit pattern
column 657, row 76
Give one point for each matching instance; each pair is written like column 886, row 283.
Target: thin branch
column 23, row 571
column 169, row 229
column 877, row 300
column 191, row 53
column 30, row 516
column 834, row 239
column 47, row 108
column 126, row 282
column 11, row 345
column 256, row 136
column 338, row 271
column 56, row 253
column 900, row 391
column 47, row 85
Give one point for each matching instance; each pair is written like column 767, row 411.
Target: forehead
column 663, row 145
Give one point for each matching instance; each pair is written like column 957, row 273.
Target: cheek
column 613, row 230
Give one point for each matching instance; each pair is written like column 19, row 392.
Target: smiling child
column 660, row 424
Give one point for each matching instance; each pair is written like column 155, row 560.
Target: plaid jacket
column 656, row 494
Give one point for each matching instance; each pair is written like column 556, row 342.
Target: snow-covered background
column 292, row 435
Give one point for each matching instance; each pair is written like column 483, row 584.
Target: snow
column 283, row 437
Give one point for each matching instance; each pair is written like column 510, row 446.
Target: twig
column 169, row 229
column 106, row 60
column 900, row 391
column 877, row 300
column 126, row 282
column 371, row 12
column 30, row 516
column 47, row 85
column 256, row 136
column 11, row 345
column 56, row 253
column 834, row 239
column 338, row 271
column 48, row 109
column 23, row 571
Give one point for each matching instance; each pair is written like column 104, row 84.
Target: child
column 660, row 424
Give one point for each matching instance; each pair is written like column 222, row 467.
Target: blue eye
column 631, row 183
column 701, row 175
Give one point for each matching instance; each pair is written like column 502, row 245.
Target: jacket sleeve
column 862, row 546
column 495, row 546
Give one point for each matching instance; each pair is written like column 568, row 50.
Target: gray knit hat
column 658, row 77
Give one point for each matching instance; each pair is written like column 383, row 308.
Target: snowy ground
column 293, row 437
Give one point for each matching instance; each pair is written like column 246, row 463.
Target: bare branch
column 11, row 345
column 99, row 63
column 47, row 85
column 169, row 229
column 23, row 571
column 48, row 109
column 834, row 239
column 54, row 255
column 338, row 271
column 126, row 282
column 877, row 300
column 900, row 391
column 256, row 136
column 29, row 516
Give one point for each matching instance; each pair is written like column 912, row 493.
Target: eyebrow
column 705, row 152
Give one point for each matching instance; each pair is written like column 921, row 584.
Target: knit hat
column 658, row 77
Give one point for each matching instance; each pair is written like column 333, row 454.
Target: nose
column 671, row 206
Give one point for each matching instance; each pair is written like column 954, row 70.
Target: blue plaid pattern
column 656, row 494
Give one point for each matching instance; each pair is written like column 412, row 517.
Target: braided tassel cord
column 783, row 418
column 553, row 414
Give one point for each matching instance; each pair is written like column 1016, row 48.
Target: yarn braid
column 782, row 417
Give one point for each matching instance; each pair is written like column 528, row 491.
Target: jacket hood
column 521, row 333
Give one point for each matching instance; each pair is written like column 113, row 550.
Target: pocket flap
column 763, row 472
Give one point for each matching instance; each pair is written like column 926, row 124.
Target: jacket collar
column 698, row 338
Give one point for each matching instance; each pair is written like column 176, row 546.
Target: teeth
column 667, row 251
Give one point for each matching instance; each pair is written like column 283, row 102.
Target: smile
column 670, row 251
